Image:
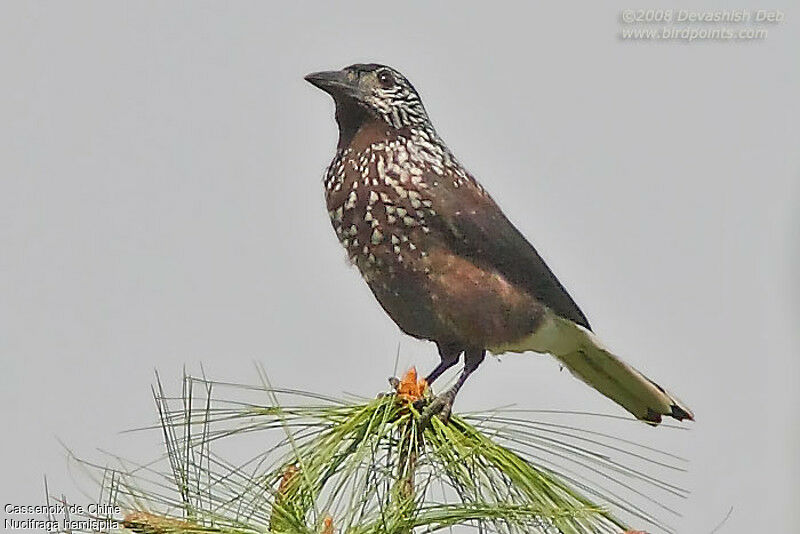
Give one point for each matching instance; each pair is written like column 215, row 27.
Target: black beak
column 335, row 82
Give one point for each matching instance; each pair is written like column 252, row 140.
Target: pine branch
column 367, row 466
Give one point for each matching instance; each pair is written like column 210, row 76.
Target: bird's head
column 363, row 92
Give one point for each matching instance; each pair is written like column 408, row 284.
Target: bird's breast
column 380, row 208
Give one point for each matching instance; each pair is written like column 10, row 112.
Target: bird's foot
column 441, row 406
column 420, row 404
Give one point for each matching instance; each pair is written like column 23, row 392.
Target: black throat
column 350, row 117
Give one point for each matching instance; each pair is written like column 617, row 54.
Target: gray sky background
column 161, row 205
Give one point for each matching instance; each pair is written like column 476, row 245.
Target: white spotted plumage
column 397, row 201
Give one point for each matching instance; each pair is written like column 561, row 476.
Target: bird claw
column 441, row 406
column 420, row 404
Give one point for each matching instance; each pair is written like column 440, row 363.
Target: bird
column 440, row 256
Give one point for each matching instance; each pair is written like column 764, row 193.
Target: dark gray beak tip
column 329, row 81
column 312, row 78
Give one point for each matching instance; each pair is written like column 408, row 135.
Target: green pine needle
column 363, row 467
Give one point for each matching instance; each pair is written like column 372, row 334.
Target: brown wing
column 474, row 227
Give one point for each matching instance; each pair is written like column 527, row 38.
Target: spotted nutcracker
column 440, row 256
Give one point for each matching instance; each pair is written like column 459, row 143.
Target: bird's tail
column 585, row 356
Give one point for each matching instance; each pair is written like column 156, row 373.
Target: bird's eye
column 386, row 78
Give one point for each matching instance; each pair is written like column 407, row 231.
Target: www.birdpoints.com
column 699, row 25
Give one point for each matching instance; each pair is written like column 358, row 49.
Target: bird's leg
column 448, row 353
column 443, row 404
